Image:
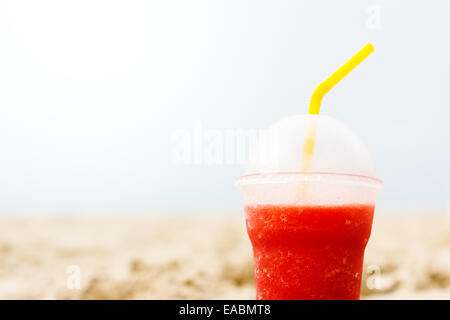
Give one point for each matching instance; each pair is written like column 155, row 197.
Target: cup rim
column 269, row 177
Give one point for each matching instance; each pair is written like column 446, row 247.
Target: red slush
column 308, row 252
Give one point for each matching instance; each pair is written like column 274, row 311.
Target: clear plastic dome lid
column 335, row 148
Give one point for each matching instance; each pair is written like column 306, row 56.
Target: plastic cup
column 309, row 243
column 309, row 249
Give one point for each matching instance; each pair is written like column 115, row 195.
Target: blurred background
column 95, row 94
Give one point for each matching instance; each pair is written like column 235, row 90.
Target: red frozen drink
column 308, row 252
column 309, row 193
column 309, row 225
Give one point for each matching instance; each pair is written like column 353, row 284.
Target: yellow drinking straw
column 314, row 109
column 338, row 75
column 316, row 99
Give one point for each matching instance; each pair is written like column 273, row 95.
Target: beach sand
column 408, row 257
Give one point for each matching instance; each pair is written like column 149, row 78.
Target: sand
column 197, row 258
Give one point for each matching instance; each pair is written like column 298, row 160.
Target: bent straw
column 316, row 99
column 338, row 75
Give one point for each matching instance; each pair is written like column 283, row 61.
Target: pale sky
column 92, row 91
